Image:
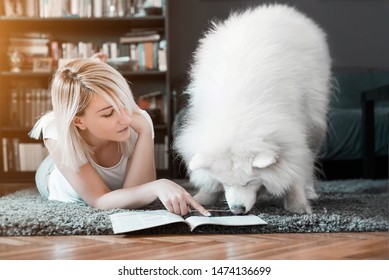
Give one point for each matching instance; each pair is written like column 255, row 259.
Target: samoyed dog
column 257, row 109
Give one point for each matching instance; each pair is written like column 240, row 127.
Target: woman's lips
column 123, row 130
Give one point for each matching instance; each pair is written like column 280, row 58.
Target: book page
column 221, row 217
column 137, row 220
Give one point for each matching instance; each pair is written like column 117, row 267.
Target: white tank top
column 60, row 189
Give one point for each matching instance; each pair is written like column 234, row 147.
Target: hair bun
column 71, row 74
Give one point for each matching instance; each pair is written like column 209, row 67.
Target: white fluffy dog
column 257, row 111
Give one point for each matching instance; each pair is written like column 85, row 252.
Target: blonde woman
column 101, row 148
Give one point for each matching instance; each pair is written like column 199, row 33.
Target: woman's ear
column 77, row 121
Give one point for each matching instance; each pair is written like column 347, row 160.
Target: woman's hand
column 100, row 56
column 140, row 124
column 176, row 199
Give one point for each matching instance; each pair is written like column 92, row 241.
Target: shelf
column 15, row 129
column 20, row 177
column 155, row 18
column 16, row 23
column 75, row 29
column 25, row 74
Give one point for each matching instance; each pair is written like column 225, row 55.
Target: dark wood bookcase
column 96, row 30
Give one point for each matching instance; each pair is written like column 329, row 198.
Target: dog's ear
column 264, row 159
column 198, row 162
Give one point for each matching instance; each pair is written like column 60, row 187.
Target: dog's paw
column 311, row 194
column 310, row 191
column 298, row 208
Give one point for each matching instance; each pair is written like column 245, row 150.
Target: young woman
column 101, row 148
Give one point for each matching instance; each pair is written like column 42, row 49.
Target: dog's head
column 240, row 175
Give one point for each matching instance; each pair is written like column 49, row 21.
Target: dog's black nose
column 238, row 209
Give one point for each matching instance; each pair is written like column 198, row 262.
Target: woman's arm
column 141, row 167
column 92, row 189
column 175, row 198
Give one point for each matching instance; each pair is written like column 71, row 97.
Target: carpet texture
column 342, row 206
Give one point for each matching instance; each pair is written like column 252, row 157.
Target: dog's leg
column 310, row 190
column 296, row 201
column 210, row 190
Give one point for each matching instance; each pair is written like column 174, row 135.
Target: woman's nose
column 124, row 117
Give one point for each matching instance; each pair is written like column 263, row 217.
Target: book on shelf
column 146, row 55
column 12, row 8
column 162, row 63
column 154, row 104
column 122, row 63
column 7, row 154
column 31, row 155
column 26, row 105
column 140, row 37
column 16, row 154
column 138, row 220
column 19, row 156
column 27, row 39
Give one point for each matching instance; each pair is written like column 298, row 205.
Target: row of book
column 134, row 57
column 142, row 50
column 147, row 49
column 137, row 51
column 19, row 156
column 79, row 8
column 26, row 105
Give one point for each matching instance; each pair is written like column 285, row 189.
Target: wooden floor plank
column 319, row 246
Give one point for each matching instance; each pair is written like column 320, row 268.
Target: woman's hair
column 72, row 88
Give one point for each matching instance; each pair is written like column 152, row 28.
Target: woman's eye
column 108, row 115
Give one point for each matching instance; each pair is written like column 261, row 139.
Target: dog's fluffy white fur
column 258, row 101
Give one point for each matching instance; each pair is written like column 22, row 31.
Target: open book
column 138, row 220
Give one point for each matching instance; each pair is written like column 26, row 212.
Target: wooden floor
column 328, row 246
column 317, row 246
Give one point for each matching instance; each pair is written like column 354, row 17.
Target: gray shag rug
column 342, row 206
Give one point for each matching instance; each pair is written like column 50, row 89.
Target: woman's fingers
column 182, row 206
column 192, row 202
column 177, row 200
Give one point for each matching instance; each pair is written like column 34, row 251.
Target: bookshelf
column 30, row 85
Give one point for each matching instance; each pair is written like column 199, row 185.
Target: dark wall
column 357, row 30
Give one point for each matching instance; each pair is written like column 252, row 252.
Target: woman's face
column 100, row 121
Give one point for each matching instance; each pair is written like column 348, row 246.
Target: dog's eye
column 249, row 182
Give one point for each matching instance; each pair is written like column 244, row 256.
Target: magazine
column 138, row 220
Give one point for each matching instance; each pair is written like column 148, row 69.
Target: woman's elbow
column 100, row 203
